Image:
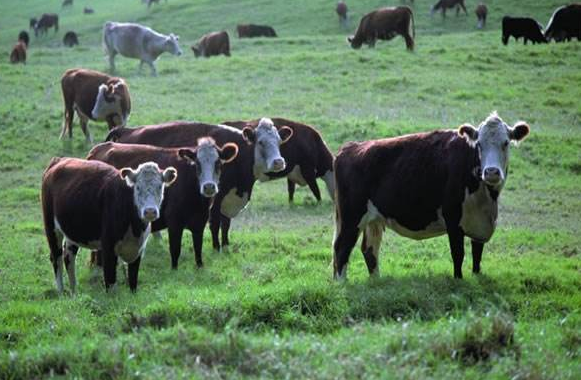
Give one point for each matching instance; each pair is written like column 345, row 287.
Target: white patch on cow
column 104, row 108
column 58, row 276
column 131, row 247
column 232, row 204
column 148, row 188
column 207, row 156
column 342, row 274
column 267, row 156
column 296, row 176
column 329, row 180
column 479, row 213
column 67, row 252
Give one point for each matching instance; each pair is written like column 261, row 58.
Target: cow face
column 492, row 139
column 267, row 141
column 108, row 105
column 171, row 45
column 148, row 183
column 355, row 43
column 208, row 159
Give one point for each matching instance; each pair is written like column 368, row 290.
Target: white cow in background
column 137, row 41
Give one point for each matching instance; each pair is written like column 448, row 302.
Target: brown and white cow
column 210, row 44
column 187, row 203
column 385, row 24
column 46, row 21
column 251, row 30
column 306, row 154
column 443, row 5
column 481, row 14
column 341, row 10
column 92, row 205
column 421, row 186
column 18, row 53
column 258, row 153
column 95, row 96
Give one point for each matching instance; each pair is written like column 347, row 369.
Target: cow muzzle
column 277, row 165
column 150, row 214
column 209, row 189
column 492, row 176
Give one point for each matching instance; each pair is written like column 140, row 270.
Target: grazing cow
column 481, row 14
column 251, row 30
column 18, row 54
column 46, row 21
column 210, row 44
column 92, row 205
column 341, row 10
column 449, row 4
column 259, row 152
column 88, row 11
column 187, row 203
column 565, row 23
column 137, row 41
column 32, row 23
column 23, row 36
column 67, row 3
column 525, row 27
column 70, row 39
column 421, row 186
column 384, row 24
column 96, row 96
column 306, row 154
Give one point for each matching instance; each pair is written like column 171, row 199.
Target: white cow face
column 208, row 159
column 108, row 104
column 171, row 45
column 267, row 141
column 148, row 183
column 492, row 139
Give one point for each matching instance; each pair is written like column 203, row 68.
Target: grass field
column 269, row 308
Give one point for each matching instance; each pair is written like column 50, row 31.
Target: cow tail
column 106, row 27
column 412, row 25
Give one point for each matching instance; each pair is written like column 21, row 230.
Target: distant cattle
column 67, row 3
column 46, row 21
column 306, row 154
column 525, row 27
column 341, row 10
column 32, row 23
column 23, row 36
column 259, row 153
column 565, row 23
column 187, row 203
column 210, row 44
column 481, row 14
column 92, row 205
column 149, row 2
column 250, row 30
column 70, row 39
column 95, row 96
column 18, row 54
column 385, row 24
column 421, row 186
column 443, row 5
column 88, row 11
column 137, row 41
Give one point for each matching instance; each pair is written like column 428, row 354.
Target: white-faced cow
column 443, row 5
column 137, row 41
column 96, row 96
column 46, row 21
column 258, row 153
column 210, row 44
column 385, row 24
column 92, row 205
column 420, row 186
column 187, row 202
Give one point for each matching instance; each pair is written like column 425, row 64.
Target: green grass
column 268, row 308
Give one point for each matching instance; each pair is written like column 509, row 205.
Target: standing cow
column 565, row 23
column 443, row 5
column 210, row 44
column 92, row 205
column 95, row 96
column 251, row 30
column 421, row 186
column 18, row 54
column 525, row 27
column 46, row 21
column 385, row 24
column 341, row 10
column 481, row 14
column 137, row 41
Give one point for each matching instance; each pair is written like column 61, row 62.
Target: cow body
column 46, row 21
column 481, row 14
column 215, row 43
column 70, row 39
column 251, row 30
column 95, row 96
column 385, row 24
column 525, row 27
column 137, row 41
column 341, row 10
column 565, row 23
column 23, row 36
column 420, row 186
column 443, row 5
column 18, row 54
column 92, row 205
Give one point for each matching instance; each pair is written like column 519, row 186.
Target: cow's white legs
column 370, row 247
column 70, row 254
column 84, row 126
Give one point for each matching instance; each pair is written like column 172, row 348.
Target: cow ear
column 519, row 131
column 188, row 155
column 128, row 175
column 169, row 175
column 468, row 132
column 228, row 152
column 285, row 134
column 249, row 135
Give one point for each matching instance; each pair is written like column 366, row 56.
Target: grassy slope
column 269, row 308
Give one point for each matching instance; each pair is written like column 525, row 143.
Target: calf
column 481, row 14
column 187, row 202
column 210, row 44
column 385, row 24
column 443, row 5
column 95, row 96
column 525, row 27
column 259, row 153
column 18, row 54
column 23, row 36
column 420, row 186
column 251, row 30
column 46, row 21
column 341, row 10
column 70, row 39
column 92, row 205
column 306, row 155
column 565, row 23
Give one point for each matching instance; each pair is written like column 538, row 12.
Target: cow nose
column 150, row 214
column 209, row 189
column 491, row 172
column 278, row 164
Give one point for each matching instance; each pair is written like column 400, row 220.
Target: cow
column 23, row 36
column 32, row 23
column 443, row 5
column 481, row 14
column 187, row 202
column 565, row 23
column 88, row 10
column 421, row 186
column 306, row 155
column 341, row 10
column 251, row 30
column 67, row 3
column 46, row 21
column 92, row 205
column 70, row 39
column 258, row 153
column 210, row 44
column 18, row 54
column 385, row 24
column 149, row 2
column 137, row 41
column 95, row 96
column 525, row 27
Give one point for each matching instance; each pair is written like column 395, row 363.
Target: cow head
column 208, row 159
column 171, row 44
column 354, row 42
column 148, row 183
column 112, row 103
column 492, row 139
column 267, row 140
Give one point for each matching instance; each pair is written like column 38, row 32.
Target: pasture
column 268, row 307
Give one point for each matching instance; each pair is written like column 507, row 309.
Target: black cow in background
column 565, row 23
column 525, row 27
column 23, row 36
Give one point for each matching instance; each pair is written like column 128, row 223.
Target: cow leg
column 464, row 8
column 346, row 234
column 56, row 257
column 370, row 247
column 311, row 179
column 132, row 272
column 112, row 54
column 290, row 185
column 197, row 230
column 70, row 254
column 153, row 69
column 443, row 12
column 215, row 216
column 409, row 41
column 477, row 248
column 68, row 119
column 85, row 129
column 456, row 240
column 526, row 40
column 175, row 244
column 225, row 225
column 109, row 267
